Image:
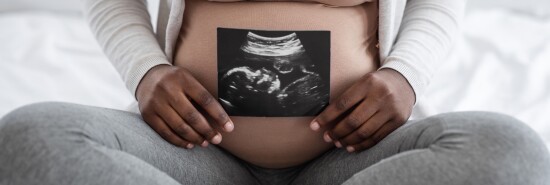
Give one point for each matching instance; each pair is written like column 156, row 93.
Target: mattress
column 499, row 64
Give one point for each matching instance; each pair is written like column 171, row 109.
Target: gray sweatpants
column 59, row 143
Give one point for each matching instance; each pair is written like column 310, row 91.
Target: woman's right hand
column 165, row 96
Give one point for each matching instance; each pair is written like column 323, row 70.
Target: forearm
column 427, row 33
column 124, row 31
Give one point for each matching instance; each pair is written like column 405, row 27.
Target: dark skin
column 368, row 111
column 172, row 102
column 166, row 97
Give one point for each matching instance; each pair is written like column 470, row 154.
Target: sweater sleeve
column 124, row 31
column 426, row 35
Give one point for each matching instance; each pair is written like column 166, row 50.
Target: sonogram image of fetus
column 273, row 76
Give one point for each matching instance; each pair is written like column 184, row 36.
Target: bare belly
column 274, row 138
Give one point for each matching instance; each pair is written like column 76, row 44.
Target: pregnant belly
column 274, row 142
column 274, row 66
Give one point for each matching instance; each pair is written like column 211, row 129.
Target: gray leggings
column 59, row 143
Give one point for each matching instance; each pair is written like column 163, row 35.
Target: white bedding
column 54, row 57
column 500, row 64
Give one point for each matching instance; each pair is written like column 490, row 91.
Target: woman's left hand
column 373, row 107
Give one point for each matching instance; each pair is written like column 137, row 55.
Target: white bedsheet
column 500, row 64
column 54, row 57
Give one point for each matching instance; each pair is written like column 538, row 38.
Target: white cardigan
column 414, row 35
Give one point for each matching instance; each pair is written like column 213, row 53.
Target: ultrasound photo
column 273, row 73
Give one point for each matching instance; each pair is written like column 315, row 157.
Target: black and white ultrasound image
column 273, row 73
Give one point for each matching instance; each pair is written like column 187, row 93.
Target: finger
column 180, row 127
column 367, row 130
column 334, row 110
column 206, row 101
column 375, row 138
column 160, row 127
column 360, row 115
column 196, row 120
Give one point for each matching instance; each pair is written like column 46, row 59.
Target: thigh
column 120, row 131
column 338, row 165
column 452, row 148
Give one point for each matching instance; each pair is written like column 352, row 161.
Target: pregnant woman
column 270, row 92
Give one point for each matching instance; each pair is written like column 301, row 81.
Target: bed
column 501, row 62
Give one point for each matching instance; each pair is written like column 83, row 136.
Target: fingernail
column 338, row 144
column 229, row 126
column 189, row 146
column 204, row 143
column 350, row 149
column 217, row 139
column 327, row 137
column 314, row 126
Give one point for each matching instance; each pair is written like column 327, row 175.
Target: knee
column 493, row 130
column 33, row 113
column 33, row 119
column 495, row 127
column 504, row 140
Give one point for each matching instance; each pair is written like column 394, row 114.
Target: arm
column 164, row 92
column 124, row 31
column 427, row 33
column 382, row 101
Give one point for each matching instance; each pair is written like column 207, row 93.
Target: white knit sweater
column 415, row 35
